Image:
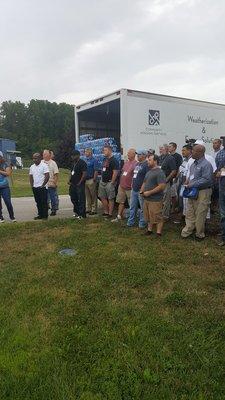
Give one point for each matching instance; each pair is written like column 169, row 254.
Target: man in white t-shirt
column 53, row 181
column 39, row 176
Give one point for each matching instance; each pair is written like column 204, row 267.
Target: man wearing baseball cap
column 5, row 172
column 136, row 199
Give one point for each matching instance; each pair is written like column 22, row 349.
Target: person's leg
column 147, row 216
column 111, row 207
column 53, row 199
column 159, row 217
column 105, row 205
column 142, row 222
column 102, row 194
column 189, row 219
column 1, row 216
column 111, row 194
column 81, row 200
column 74, row 199
column 93, row 193
column 203, row 203
column 120, row 199
column 44, row 202
column 37, row 200
column 88, row 195
column 174, row 197
column 222, row 212
column 6, row 195
column 133, row 208
column 167, row 201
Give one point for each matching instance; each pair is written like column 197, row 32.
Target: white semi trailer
column 144, row 120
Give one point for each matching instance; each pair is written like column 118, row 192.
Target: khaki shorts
column 153, row 211
column 106, row 190
column 123, row 195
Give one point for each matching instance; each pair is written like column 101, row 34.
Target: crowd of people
column 148, row 188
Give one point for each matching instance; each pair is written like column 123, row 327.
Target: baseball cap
column 1, row 154
column 199, row 141
column 141, row 152
column 151, row 151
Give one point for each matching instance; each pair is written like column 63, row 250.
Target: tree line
column 38, row 125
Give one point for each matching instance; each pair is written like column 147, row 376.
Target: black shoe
column 38, row 217
column 199, row 239
column 53, row 213
column 92, row 213
column 105, row 215
column 147, row 233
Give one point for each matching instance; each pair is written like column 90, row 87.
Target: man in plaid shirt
column 220, row 163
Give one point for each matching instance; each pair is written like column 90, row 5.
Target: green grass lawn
column 129, row 318
column 20, row 185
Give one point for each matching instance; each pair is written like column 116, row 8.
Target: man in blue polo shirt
column 91, row 182
column 136, row 198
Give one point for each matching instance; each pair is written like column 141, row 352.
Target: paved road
column 25, row 208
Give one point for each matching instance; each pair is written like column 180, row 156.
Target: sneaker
column 13, row 220
column 53, row 213
column 105, row 215
column 2, row 220
column 38, row 217
column 78, row 217
column 117, row 219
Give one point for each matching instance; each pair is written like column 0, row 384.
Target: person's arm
column 46, row 179
column 114, row 176
column 31, row 180
column 204, row 180
column 171, row 175
column 6, row 172
column 160, row 188
column 173, row 167
column 95, row 176
column 56, row 179
column 83, row 177
column 142, row 188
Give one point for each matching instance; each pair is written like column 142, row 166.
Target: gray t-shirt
column 152, row 179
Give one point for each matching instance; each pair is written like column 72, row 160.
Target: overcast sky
column 72, row 51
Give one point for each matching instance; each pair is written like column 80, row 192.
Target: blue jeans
column 135, row 200
column 6, row 195
column 222, row 211
column 53, row 198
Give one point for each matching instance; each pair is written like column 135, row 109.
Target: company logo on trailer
column 154, row 117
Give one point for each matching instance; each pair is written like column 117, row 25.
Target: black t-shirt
column 168, row 164
column 178, row 160
column 76, row 173
column 109, row 165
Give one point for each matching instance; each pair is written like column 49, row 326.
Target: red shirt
column 127, row 174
